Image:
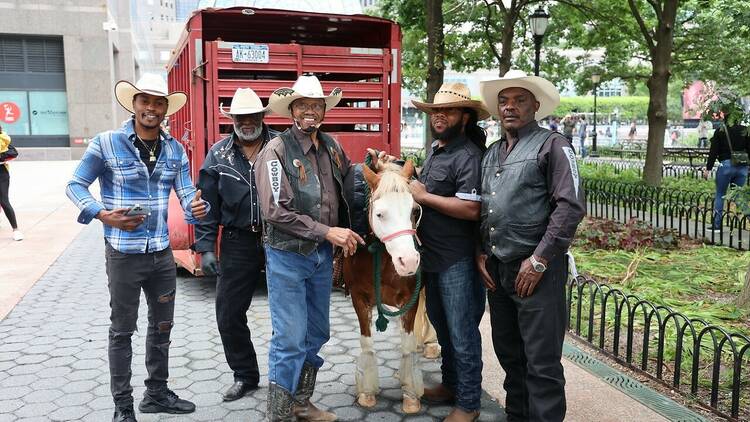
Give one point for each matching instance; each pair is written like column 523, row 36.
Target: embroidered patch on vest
column 274, row 177
column 571, row 156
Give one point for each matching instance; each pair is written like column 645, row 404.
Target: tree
column 435, row 51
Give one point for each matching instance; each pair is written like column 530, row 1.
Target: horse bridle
column 405, row 232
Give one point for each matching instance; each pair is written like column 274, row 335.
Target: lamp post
column 538, row 22
column 595, row 78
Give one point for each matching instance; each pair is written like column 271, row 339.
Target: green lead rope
column 376, row 249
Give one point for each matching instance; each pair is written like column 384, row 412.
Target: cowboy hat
column 150, row 84
column 244, row 101
column 544, row 91
column 453, row 95
column 307, row 86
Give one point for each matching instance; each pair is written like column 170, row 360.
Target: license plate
column 250, row 53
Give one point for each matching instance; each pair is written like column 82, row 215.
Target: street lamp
column 538, row 22
column 595, row 78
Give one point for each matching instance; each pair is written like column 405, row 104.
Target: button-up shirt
column 124, row 181
column 283, row 215
column 451, row 170
column 227, row 182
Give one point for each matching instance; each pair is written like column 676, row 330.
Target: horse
column 391, row 214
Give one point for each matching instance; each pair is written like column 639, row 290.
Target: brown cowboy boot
column 440, row 394
column 304, row 410
column 458, row 415
column 280, row 402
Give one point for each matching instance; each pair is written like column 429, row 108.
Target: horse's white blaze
column 366, row 376
column 391, row 213
column 410, row 372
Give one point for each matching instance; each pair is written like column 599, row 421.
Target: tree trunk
column 743, row 300
column 658, row 88
column 506, row 39
column 435, row 53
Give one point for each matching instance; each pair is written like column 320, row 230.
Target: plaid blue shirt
column 124, row 181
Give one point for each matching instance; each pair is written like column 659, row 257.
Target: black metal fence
column 692, row 156
column 698, row 359
column 668, row 169
column 688, row 213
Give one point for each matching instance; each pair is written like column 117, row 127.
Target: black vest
column 515, row 203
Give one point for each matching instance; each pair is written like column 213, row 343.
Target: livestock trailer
column 221, row 50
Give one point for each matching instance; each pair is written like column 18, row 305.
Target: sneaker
column 17, row 235
column 124, row 414
column 165, row 401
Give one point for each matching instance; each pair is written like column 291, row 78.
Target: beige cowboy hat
column 244, row 101
column 151, row 84
column 544, row 91
column 452, row 95
column 307, row 86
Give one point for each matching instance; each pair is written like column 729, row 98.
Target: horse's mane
column 391, row 181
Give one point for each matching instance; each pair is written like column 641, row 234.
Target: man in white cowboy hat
column 227, row 180
column 304, row 211
column 532, row 203
column 448, row 190
column 138, row 165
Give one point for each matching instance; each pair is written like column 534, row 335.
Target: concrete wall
column 89, row 61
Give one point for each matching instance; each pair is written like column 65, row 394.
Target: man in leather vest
column 300, row 191
column 448, row 190
column 532, row 203
column 227, row 180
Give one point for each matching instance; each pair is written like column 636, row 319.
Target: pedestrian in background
column 10, row 214
column 569, row 124
column 703, row 128
column 632, row 131
column 139, row 164
column 227, row 181
column 582, row 129
column 727, row 145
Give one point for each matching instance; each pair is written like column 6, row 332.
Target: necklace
column 250, row 156
column 151, row 150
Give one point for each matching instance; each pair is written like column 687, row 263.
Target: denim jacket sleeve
column 88, row 170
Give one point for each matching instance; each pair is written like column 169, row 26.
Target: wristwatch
column 538, row 266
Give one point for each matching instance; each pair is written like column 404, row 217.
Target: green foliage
column 417, row 157
column 628, row 107
column 609, row 172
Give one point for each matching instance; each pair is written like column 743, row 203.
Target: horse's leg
column 410, row 372
column 366, row 377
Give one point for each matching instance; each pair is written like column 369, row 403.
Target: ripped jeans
column 155, row 273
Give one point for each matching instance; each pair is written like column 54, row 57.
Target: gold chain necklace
column 151, row 150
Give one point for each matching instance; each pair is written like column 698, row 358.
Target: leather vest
column 307, row 194
column 515, row 203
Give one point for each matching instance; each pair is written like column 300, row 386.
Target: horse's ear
column 408, row 170
column 370, row 176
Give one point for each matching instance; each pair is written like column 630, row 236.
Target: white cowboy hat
column 151, row 84
column 544, row 91
column 307, row 86
column 244, row 101
column 453, row 95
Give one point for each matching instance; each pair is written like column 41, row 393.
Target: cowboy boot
column 280, row 402
column 304, row 410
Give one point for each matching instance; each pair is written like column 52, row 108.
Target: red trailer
column 224, row 49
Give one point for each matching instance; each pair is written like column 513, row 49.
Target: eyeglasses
column 316, row 107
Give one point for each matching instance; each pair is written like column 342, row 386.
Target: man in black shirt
column 448, row 190
column 727, row 173
column 227, row 180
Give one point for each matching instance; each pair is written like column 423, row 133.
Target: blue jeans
column 726, row 174
column 299, row 295
column 455, row 305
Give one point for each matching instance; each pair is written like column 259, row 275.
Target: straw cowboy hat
column 544, row 91
column 244, row 101
column 307, row 86
column 453, row 95
column 151, row 84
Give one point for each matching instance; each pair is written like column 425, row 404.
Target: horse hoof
column 411, row 405
column 366, row 400
column 431, row 351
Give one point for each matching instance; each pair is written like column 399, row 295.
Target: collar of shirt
column 526, row 130
column 450, row 146
column 129, row 129
column 303, row 138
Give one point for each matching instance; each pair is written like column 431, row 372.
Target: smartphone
column 138, row 209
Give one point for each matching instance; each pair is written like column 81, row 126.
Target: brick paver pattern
column 53, row 352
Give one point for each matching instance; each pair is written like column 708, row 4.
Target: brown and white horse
column 391, row 218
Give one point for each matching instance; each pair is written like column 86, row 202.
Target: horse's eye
column 379, row 215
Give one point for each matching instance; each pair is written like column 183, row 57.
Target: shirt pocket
column 171, row 168
column 124, row 169
column 439, row 181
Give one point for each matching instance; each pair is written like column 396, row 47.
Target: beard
column 247, row 136
column 450, row 132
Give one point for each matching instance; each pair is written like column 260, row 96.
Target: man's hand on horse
column 344, row 238
column 418, row 191
column 198, row 206
column 528, row 278
column 379, row 159
column 117, row 218
column 481, row 261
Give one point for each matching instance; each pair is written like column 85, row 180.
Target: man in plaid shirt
column 138, row 164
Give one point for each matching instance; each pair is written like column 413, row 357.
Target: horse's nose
column 409, row 262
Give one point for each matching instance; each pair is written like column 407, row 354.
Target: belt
column 251, row 228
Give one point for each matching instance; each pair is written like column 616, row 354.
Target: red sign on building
column 9, row 112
